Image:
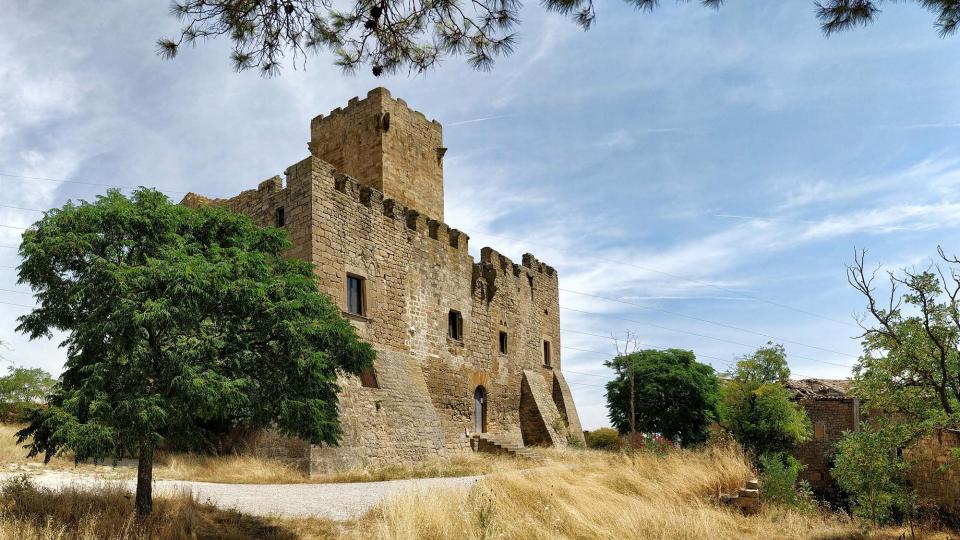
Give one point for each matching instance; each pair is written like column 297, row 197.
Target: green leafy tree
column 180, row 322
column 909, row 372
column 22, row 389
column 389, row 35
column 674, row 395
column 758, row 410
column 870, row 470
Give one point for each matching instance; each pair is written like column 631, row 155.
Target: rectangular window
column 546, row 353
column 503, row 343
column 368, row 378
column 455, row 325
column 820, row 431
column 355, row 300
column 281, row 219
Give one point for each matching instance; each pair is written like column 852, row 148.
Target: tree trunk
column 144, row 504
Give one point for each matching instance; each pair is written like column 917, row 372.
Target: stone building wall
column 934, row 473
column 385, row 145
column 415, row 269
column 830, row 419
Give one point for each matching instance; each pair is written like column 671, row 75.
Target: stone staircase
column 498, row 444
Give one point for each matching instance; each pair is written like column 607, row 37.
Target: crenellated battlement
column 392, row 209
column 376, row 95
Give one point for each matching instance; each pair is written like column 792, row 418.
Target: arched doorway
column 480, row 410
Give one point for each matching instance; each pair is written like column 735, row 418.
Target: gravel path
column 333, row 501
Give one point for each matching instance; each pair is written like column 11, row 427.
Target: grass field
column 576, row 494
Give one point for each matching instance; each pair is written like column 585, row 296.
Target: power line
column 13, row 227
column 693, row 334
column 19, row 305
column 21, row 208
column 83, row 182
column 727, row 363
column 708, row 321
column 695, row 281
column 18, row 292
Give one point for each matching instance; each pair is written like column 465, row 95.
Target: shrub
column 603, row 439
column 779, row 481
column 872, row 472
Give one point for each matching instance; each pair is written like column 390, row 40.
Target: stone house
column 468, row 351
column 933, row 472
column 832, row 411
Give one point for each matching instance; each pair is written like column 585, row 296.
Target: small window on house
column 455, row 325
column 546, row 353
column 503, row 343
column 281, row 219
column 820, row 431
column 368, row 378
column 355, row 295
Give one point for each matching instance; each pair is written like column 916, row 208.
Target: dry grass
column 578, row 494
column 587, row 494
column 251, row 469
column 28, row 512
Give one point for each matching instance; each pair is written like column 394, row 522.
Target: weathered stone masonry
column 368, row 203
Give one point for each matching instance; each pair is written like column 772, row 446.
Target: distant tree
column 674, row 395
column 178, row 320
column 388, row 35
column 23, row 389
column 757, row 409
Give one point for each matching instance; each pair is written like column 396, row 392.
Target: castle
column 468, row 352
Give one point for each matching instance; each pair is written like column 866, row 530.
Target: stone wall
column 415, row 269
column 934, row 473
column 830, row 418
column 385, row 145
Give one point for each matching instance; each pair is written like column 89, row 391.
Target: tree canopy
column 757, row 409
column 22, row 389
column 388, row 35
column 911, row 338
column 180, row 322
column 674, row 395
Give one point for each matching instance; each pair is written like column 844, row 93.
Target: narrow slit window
column 368, row 378
column 455, row 325
column 546, row 354
column 530, row 281
column 281, row 218
column 355, row 299
column 503, row 343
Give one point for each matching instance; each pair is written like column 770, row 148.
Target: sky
column 699, row 178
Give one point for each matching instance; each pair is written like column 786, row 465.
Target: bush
column 603, row 439
column 779, row 481
column 869, row 469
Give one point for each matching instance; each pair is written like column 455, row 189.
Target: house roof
column 820, row 388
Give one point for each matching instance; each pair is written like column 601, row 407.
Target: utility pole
column 633, row 412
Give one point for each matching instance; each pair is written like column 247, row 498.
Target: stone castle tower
column 468, row 352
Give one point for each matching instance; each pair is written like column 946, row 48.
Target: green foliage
column 758, row 410
column 181, row 323
column 779, row 481
column 911, row 360
column 391, row 35
column 603, row 439
column 870, row 470
column 675, row 395
column 23, row 389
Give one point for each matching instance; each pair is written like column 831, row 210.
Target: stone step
column 483, row 443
